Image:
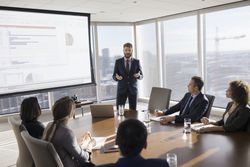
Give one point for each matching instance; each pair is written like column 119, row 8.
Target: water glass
column 171, row 159
column 187, row 125
column 147, row 120
column 117, row 122
column 121, row 110
column 146, row 117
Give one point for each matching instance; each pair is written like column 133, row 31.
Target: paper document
column 157, row 119
column 197, row 127
column 100, row 141
column 95, row 143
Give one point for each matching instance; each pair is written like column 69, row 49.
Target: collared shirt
column 129, row 62
column 188, row 104
column 193, row 96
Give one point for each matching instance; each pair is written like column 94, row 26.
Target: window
column 147, row 54
column 227, row 50
column 12, row 104
column 110, row 43
column 85, row 92
column 180, row 60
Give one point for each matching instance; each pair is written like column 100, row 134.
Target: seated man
column 193, row 105
column 131, row 139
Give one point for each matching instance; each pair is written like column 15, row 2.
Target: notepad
column 100, row 141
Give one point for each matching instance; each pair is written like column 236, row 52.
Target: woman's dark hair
column 131, row 137
column 30, row 109
column 240, row 92
column 62, row 108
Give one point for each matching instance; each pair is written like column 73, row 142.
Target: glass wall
column 180, row 57
column 12, row 104
column 110, row 44
column 85, row 92
column 226, row 57
column 227, row 50
column 147, row 54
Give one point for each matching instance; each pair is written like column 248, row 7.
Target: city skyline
column 216, row 79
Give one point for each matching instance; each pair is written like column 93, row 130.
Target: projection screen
column 42, row 49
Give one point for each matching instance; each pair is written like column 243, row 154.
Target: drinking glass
column 171, row 159
column 187, row 125
column 121, row 110
column 147, row 120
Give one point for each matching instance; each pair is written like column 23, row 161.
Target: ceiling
column 119, row 10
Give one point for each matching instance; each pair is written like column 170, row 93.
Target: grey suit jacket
column 67, row 147
column 237, row 120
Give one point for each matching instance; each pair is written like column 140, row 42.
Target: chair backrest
column 24, row 158
column 248, row 126
column 159, row 98
column 43, row 152
column 210, row 104
column 248, row 122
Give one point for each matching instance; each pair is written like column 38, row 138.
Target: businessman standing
column 127, row 71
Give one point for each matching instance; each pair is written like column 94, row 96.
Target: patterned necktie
column 127, row 66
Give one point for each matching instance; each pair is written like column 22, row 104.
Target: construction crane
column 217, row 39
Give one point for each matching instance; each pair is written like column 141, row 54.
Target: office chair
column 210, row 101
column 159, row 98
column 43, row 152
column 24, row 158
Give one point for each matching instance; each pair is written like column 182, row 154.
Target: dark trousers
column 121, row 100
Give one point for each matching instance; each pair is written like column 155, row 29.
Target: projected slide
column 41, row 51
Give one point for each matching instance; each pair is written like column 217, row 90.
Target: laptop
column 102, row 110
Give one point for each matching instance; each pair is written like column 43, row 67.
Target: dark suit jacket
column 129, row 82
column 198, row 107
column 138, row 162
column 237, row 120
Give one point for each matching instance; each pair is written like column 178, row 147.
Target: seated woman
column 63, row 138
column 30, row 111
column 237, row 114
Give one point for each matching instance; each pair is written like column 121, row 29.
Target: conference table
column 201, row 150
